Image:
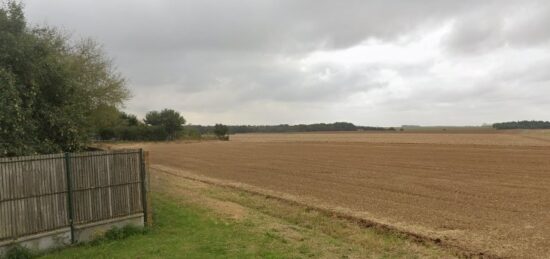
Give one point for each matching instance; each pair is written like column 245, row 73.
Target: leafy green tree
column 153, row 118
column 105, row 117
column 169, row 120
column 221, row 131
column 13, row 120
column 53, row 92
column 130, row 119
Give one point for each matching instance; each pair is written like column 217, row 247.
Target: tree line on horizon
column 283, row 128
column 169, row 125
column 522, row 125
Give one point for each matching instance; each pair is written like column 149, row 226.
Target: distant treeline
column 282, row 128
column 523, row 125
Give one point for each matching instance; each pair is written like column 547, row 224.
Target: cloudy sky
column 370, row 62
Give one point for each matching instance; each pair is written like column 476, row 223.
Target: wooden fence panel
column 34, row 190
column 33, row 196
column 105, row 185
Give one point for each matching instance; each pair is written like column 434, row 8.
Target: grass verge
column 196, row 220
column 183, row 231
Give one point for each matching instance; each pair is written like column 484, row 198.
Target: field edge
column 384, row 228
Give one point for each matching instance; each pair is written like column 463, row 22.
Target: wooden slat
column 33, row 190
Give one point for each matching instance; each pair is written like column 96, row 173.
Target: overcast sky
column 370, row 62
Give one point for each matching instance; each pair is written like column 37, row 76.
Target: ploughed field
column 484, row 192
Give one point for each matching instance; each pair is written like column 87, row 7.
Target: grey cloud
column 323, row 83
column 286, row 26
column 500, row 24
column 159, row 41
column 476, row 35
column 235, row 61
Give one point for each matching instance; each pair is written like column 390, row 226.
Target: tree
column 337, row 126
column 104, row 117
column 130, row 119
column 52, row 90
column 152, row 118
column 168, row 120
column 13, row 120
column 221, row 131
column 522, row 125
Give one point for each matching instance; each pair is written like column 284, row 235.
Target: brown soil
column 456, row 137
column 485, row 192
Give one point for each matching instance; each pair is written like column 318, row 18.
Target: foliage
column 170, row 121
column 337, row 126
column 12, row 118
column 117, row 233
column 157, row 126
column 19, row 252
column 191, row 133
column 221, row 131
column 104, row 117
column 169, row 125
column 55, row 94
column 142, row 132
column 130, row 119
column 523, row 125
column 124, row 232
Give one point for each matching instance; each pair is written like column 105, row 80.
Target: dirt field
column 486, row 192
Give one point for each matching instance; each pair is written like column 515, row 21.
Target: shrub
column 117, row 233
column 107, row 134
column 121, row 233
column 19, row 252
column 221, row 131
